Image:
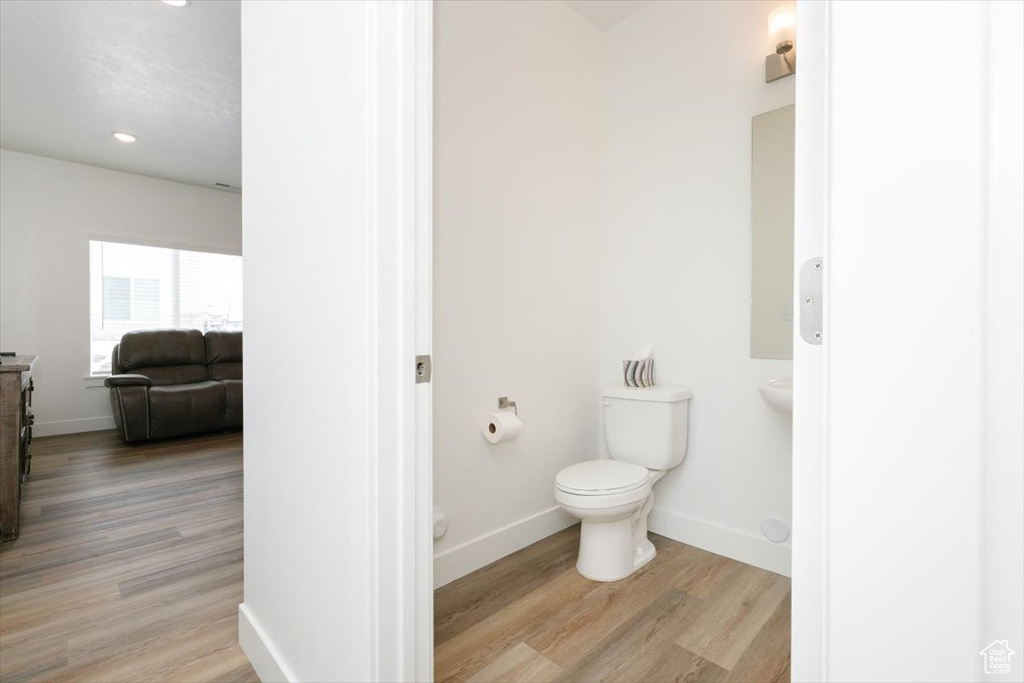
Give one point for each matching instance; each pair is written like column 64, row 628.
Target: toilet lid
column 601, row 477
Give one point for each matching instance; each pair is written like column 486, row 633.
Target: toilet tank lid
column 658, row 393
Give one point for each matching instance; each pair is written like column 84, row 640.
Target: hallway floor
column 689, row 615
column 129, row 563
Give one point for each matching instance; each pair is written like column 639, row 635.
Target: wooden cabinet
column 15, row 437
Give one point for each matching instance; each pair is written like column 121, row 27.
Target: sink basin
column 778, row 394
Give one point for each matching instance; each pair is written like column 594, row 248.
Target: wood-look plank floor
column 129, row 563
column 689, row 615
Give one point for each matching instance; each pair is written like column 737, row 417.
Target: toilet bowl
column 612, row 500
column 646, row 430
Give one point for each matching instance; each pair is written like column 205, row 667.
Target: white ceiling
column 606, row 13
column 74, row 71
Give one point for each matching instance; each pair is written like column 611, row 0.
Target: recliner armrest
column 127, row 381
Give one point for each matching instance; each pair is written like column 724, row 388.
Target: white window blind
column 134, row 287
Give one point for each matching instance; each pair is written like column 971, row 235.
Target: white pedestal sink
column 778, row 395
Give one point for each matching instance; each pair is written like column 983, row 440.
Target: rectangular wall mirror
column 771, row 219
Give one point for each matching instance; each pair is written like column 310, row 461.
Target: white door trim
column 423, row 313
column 810, row 363
column 399, row 62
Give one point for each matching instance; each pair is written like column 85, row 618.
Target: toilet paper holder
column 504, row 404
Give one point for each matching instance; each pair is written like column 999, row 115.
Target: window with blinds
column 134, row 287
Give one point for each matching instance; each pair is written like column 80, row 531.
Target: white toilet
column 646, row 434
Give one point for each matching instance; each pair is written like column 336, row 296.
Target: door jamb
column 809, row 636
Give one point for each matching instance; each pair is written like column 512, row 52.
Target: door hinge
column 812, row 304
column 423, row 369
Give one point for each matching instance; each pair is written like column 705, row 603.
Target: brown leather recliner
column 176, row 382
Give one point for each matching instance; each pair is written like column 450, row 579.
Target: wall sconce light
column 782, row 37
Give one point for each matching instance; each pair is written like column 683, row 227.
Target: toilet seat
column 601, row 478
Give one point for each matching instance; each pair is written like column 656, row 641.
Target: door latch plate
column 810, row 302
column 423, row 369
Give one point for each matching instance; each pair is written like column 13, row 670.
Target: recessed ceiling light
column 124, row 137
column 178, row 3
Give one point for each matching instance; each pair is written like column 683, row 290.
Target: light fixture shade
column 124, row 137
column 782, row 28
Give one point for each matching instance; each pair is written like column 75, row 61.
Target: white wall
column 683, row 81
column 316, row 411
column 337, row 228
column 516, row 248
column 49, row 209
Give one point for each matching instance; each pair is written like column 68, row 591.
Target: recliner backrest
column 224, row 354
column 165, row 356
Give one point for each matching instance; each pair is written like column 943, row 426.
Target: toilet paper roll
column 503, row 425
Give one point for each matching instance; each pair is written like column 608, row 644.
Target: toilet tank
column 646, row 426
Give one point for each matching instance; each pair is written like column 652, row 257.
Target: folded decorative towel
column 638, row 373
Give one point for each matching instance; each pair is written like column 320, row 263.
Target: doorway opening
column 597, row 192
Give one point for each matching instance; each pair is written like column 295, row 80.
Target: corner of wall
column 676, row 189
column 262, row 654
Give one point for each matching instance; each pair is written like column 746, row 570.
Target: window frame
column 90, row 376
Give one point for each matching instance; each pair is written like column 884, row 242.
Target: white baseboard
column 264, row 657
column 723, row 540
column 481, row 551
column 84, row 424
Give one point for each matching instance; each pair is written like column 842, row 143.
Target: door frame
column 423, row 305
column 809, row 634
column 810, row 409
column 400, row 205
